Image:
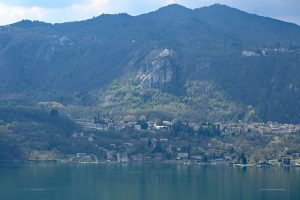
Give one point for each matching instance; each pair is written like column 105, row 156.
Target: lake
column 146, row 182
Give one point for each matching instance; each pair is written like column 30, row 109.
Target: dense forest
column 27, row 128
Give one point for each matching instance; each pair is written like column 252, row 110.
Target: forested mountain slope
column 209, row 60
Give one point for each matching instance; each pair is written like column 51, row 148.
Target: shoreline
column 168, row 162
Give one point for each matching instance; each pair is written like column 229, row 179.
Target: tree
column 144, row 124
column 242, row 158
column 251, row 115
column 158, row 147
column 149, row 145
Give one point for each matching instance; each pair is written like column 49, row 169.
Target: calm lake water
column 149, row 181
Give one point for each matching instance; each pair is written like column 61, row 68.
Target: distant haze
column 57, row 11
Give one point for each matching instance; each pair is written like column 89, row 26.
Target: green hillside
column 26, row 128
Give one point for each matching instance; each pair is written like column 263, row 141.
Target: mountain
column 214, row 63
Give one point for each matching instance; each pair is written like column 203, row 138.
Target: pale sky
column 54, row 11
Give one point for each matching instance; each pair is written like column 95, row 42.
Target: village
column 182, row 142
column 273, row 128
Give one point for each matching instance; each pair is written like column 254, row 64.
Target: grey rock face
column 158, row 71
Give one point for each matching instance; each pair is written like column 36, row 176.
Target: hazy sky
column 71, row 10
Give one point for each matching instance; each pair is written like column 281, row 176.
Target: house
column 228, row 158
column 137, row 158
column 194, row 126
column 81, row 155
column 111, row 126
column 137, row 127
column 296, row 162
column 219, row 161
column 163, row 140
column 274, row 162
column 109, row 156
column 150, row 125
column 182, row 156
column 124, row 158
column 169, row 149
column 91, row 139
column 228, row 146
column 234, row 155
column 196, row 157
column 167, row 123
column 218, row 154
column 127, row 145
column 159, row 127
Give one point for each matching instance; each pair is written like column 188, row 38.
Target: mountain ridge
column 174, row 6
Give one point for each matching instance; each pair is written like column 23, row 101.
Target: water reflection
column 146, row 181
